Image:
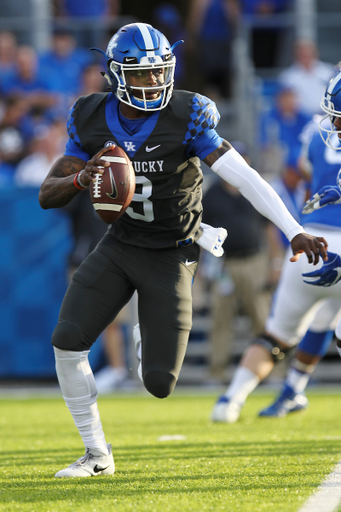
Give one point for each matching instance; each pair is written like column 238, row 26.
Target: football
column 112, row 192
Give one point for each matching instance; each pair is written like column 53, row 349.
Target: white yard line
column 327, row 496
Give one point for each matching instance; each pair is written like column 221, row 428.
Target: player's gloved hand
column 328, row 274
column 330, row 194
column 212, row 239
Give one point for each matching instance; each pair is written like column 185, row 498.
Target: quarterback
column 152, row 248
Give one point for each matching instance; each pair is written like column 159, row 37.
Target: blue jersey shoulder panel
column 71, row 127
column 74, row 146
column 204, row 117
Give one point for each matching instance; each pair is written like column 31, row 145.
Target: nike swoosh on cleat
column 97, row 469
column 148, row 149
column 187, row 263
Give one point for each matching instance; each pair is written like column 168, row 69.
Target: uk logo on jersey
column 130, row 146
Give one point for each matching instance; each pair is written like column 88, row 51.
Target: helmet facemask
column 331, row 105
column 145, row 86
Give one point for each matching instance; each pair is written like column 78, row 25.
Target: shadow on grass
column 34, row 482
column 83, row 489
column 180, row 451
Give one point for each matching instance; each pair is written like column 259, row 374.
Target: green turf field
column 255, row 465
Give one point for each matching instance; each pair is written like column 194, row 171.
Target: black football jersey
column 166, row 208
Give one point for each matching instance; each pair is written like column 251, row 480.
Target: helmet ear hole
column 113, row 77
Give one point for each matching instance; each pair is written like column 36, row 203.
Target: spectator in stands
column 167, row 18
column 13, row 137
column 44, row 148
column 280, row 130
column 291, row 188
column 64, row 62
column 265, row 40
column 93, row 14
column 8, row 54
column 211, row 26
column 243, row 272
column 307, row 76
column 27, row 80
column 92, row 80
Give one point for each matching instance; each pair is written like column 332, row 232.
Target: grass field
column 257, row 464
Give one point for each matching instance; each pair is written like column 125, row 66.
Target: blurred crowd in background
column 38, row 86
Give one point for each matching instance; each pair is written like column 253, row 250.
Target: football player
column 296, row 305
column 330, row 273
column 152, row 248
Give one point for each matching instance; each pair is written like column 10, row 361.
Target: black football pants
column 105, row 282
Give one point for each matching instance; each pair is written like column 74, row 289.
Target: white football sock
column 78, row 387
column 297, row 380
column 243, row 383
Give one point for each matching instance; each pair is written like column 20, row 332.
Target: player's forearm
column 57, row 192
column 58, row 188
column 232, row 168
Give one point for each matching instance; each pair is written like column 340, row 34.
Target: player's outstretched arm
column 330, row 194
column 59, row 186
column 231, row 166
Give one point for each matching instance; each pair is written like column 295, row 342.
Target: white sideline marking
column 327, row 496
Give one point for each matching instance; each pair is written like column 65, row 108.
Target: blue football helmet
column 141, row 64
column 331, row 104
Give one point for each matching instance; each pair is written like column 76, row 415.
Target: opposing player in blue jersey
column 152, row 248
column 314, row 346
column 330, row 273
column 296, row 306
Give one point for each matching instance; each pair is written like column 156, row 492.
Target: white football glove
column 212, row 239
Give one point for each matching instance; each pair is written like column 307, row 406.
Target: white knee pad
column 74, row 374
column 79, row 390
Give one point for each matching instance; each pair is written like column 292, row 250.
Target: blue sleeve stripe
column 73, row 149
column 205, row 144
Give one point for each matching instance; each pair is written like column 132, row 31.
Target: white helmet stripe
column 147, row 39
column 332, row 83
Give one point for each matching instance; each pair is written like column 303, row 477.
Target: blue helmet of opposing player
column 331, row 104
column 141, row 64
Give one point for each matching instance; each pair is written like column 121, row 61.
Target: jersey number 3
column 147, row 214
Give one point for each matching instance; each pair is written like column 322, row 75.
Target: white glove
column 329, row 194
column 212, row 239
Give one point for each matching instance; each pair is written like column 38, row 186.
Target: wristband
column 77, row 182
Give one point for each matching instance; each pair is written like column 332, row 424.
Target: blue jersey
column 326, row 163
